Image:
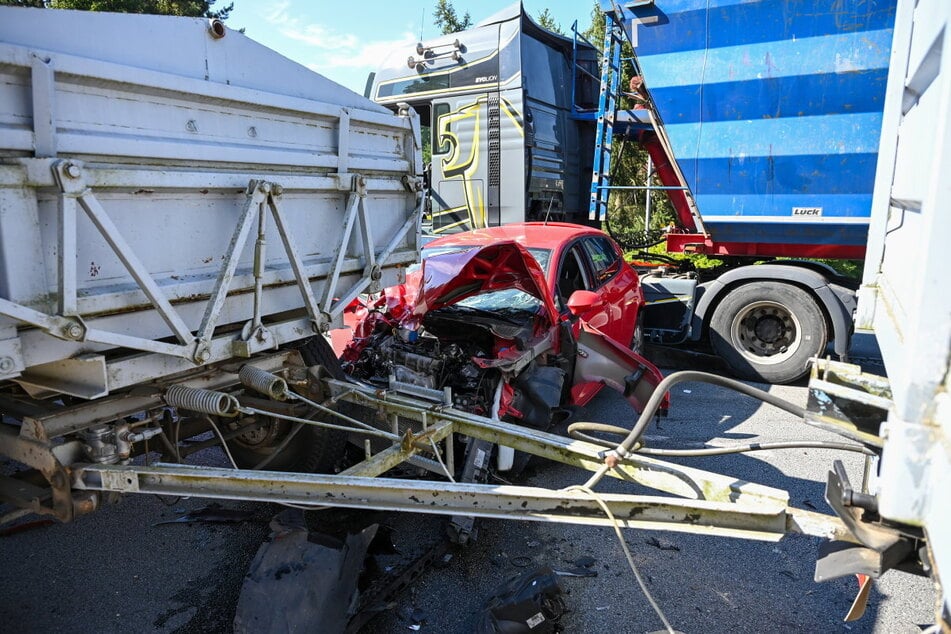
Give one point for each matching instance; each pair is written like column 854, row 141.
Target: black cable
column 702, row 377
column 576, row 431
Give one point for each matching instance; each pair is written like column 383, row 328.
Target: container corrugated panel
column 773, row 109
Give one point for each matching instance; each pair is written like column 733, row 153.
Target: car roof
column 545, row 235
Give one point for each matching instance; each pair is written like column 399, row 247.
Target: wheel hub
column 261, row 435
column 766, row 332
column 770, row 329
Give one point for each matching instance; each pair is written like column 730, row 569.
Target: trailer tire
column 768, row 331
column 312, row 450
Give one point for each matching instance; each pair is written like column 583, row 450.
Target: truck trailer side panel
column 904, row 296
column 166, row 203
column 773, row 111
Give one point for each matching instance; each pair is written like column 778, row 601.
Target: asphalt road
column 116, row 571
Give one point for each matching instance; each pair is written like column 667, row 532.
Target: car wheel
column 637, row 340
column 768, row 331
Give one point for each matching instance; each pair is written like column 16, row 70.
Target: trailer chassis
column 690, row 500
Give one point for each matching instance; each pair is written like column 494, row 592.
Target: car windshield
column 509, row 301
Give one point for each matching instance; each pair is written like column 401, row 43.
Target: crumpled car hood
column 451, row 277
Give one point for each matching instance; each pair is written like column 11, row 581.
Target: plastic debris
column 211, row 514
column 530, row 603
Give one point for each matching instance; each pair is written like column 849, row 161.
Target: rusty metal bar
column 762, row 521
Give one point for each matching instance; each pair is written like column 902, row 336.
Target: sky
column 345, row 40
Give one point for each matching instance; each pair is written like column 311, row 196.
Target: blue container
column 773, row 109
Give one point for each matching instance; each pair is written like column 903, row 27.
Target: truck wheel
column 768, row 331
column 312, row 450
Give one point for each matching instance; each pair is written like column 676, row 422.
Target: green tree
column 446, row 18
column 189, row 8
column 546, row 20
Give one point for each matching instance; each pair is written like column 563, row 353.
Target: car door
column 603, row 332
column 573, row 273
column 617, row 285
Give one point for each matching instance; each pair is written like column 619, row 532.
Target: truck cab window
column 440, row 146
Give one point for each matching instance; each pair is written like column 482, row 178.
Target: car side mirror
column 582, row 301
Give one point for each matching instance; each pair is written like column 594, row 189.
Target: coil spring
column 202, row 401
column 263, row 381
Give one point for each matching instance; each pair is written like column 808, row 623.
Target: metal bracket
column 11, row 358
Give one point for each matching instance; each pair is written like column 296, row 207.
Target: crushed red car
column 515, row 322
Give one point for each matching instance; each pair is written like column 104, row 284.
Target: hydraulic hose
column 650, row 409
column 758, row 446
column 701, row 377
column 577, row 431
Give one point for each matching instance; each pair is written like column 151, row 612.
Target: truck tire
column 768, row 331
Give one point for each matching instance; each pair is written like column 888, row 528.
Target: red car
column 515, row 321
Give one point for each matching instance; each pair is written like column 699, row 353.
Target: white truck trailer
column 905, row 301
column 174, row 197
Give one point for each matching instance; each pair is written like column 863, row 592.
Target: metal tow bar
column 766, row 522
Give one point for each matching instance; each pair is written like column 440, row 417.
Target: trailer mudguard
column 837, row 302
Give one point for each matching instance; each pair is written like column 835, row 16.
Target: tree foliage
column 547, row 20
column 188, row 8
column 448, row 21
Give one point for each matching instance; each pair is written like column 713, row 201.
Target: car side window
column 571, row 274
column 605, row 260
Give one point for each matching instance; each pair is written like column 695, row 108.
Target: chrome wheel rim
column 766, row 332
